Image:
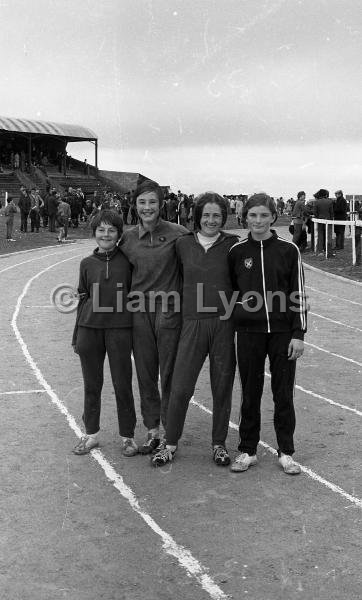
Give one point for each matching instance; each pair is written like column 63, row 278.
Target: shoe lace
column 220, row 452
column 163, row 455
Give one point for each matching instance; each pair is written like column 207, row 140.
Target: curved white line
column 24, row 262
column 334, row 321
column 183, row 556
column 333, row 354
column 333, row 296
column 332, row 486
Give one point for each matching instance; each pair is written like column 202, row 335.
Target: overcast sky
column 231, row 95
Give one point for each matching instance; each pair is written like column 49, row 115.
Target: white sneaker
column 289, row 465
column 242, row 462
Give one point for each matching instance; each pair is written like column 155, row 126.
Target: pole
column 96, row 154
column 315, row 237
column 353, row 234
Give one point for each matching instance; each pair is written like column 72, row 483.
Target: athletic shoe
column 130, row 447
column 150, row 444
column 289, row 465
column 163, row 456
column 242, row 462
column 221, row 456
column 85, row 445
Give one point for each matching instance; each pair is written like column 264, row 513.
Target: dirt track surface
column 106, row 527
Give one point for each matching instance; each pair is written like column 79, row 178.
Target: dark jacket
column 340, row 208
column 269, row 277
column 104, row 279
column 323, row 209
column 24, row 202
column 205, row 274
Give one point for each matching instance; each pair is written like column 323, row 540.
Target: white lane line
column 24, row 262
column 344, row 406
column 184, row 557
column 333, row 354
column 22, row 392
column 334, row 321
column 332, row 486
column 333, row 296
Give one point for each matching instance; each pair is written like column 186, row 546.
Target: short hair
column 300, row 194
column 147, row 185
column 213, row 198
column 260, row 200
column 110, row 217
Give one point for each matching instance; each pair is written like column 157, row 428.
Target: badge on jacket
column 248, row 262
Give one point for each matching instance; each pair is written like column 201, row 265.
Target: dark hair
column 260, row 200
column 213, row 198
column 110, row 217
column 300, row 194
column 148, row 185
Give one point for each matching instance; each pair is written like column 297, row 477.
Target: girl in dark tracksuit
column 104, row 326
column 270, row 320
column 203, row 258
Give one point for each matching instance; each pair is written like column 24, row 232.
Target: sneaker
column 163, row 456
column 221, row 456
column 289, row 465
column 242, row 462
column 86, row 444
column 150, row 444
column 130, row 447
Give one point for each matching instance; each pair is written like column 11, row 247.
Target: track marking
column 334, row 354
column 344, row 406
column 333, row 296
column 42, row 391
column 24, row 262
column 332, row 486
column 336, row 322
column 184, row 557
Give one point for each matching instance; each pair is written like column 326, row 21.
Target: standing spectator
column 52, row 209
column 232, row 205
column 239, row 210
column 323, row 209
column 270, row 319
column 172, row 205
column 299, row 216
column 63, row 216
column 150, row 248
column 16, row 160
column 340, row 214
column 125, row 207
column 9, row 212
column 24, row 204
column 36, row 203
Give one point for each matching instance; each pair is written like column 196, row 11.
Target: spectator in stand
column 9, row 212
column 16, row 160
column 340, row 209
column 24, row 205
column 299, row 215
column 323, row 209
column 52, row 203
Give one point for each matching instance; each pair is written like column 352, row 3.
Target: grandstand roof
column 71, row 132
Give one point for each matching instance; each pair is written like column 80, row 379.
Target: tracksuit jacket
column 270, row 279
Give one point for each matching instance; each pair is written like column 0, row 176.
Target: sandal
column 85, row 445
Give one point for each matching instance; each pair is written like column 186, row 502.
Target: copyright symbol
column 64, row 297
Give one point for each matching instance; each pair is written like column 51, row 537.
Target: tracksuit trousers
column 155, row 339
column 252, row 350
column 200, row 338
column 92, row 346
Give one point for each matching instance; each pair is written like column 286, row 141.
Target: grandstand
column 35, row 153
